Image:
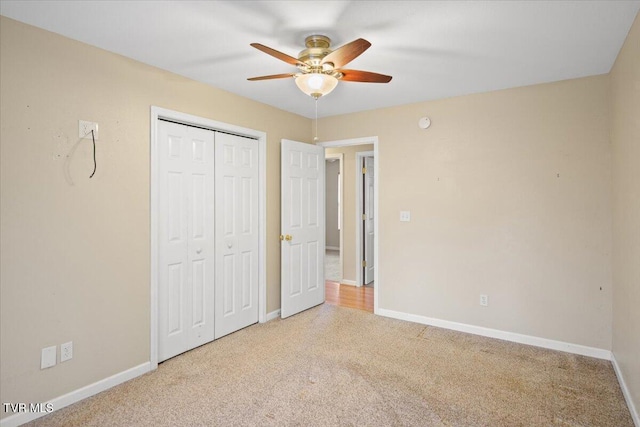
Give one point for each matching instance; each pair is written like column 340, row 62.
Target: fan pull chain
column 315, row 138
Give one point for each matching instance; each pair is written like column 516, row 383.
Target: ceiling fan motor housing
column 317, row 48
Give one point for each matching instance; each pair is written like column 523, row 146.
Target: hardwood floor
column 349, row 296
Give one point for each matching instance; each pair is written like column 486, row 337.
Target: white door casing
column 368, row 226
column 236, row 249
column 186, row 238
column 302, row 226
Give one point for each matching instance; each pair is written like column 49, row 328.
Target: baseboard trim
column 502, row 335
column 625, row 391
column 348, row 282
column 333, row 248
column 78, row 395
column 273, row 315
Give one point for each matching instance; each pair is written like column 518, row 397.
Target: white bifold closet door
column 237, row 238
column 186, row 238
column 208, row 236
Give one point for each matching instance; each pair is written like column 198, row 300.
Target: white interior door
column 237, row 238
column 369, row 211
column 302, row 226
column 186, row 238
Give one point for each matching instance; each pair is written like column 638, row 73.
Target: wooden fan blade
column 276, row 54
column 273, row 76
column 364, row 76
column 347, row 53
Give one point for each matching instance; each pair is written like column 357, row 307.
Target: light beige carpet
column 332, row 366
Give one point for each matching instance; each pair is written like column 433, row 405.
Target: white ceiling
column 433, row 49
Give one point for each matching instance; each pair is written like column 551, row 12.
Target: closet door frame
column 190, row 120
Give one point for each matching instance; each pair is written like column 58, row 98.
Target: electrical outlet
column 66, row 351
column 405, row 216
column 484, row 300
column 85, row 128
column 48, row 358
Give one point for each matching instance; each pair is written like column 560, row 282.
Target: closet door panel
column 237, row 233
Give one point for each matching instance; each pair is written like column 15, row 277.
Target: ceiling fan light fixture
column 316, row 84
column 320, row 67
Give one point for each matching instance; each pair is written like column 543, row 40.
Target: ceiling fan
column 320, row 67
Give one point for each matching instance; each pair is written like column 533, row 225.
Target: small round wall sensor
column 424, row 123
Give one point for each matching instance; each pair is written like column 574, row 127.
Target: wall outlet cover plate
column 66, row 351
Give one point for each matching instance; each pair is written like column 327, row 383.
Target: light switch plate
column 48, row 358
column 405, row 216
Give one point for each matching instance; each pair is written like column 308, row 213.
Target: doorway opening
column 358, row 203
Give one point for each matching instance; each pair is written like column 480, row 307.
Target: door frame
column 340, row 158
column 376, row 180
column 360, row 201
column 188, row 119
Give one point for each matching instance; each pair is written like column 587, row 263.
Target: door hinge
column 364, row 217
column 364, row 171
column 364, row 263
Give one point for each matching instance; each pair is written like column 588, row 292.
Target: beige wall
column 350, row 200
column 75, row 251
column 625, row 139
column 509, row 194
column 332, row 232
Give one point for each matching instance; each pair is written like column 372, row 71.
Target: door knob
column 288, row 238
column 199, row 250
